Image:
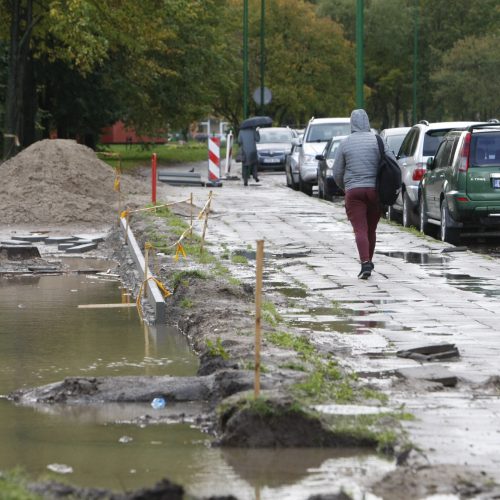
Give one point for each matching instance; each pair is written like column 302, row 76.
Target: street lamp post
column 360, row 73
column 245, row 59
column 262, row 53
column 415, row 60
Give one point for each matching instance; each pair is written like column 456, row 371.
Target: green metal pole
column 262, row 53
column 415, row 61
column 360, row 70
column 245, row 59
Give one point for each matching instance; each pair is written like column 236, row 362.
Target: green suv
column 460, row 191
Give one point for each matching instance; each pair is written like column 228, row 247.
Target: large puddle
column 46, row 337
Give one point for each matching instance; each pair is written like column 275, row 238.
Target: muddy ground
column 217, row 314
column 219, row 321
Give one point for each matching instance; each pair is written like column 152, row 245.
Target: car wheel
column 305, row 187
column 288, row 176
column 424, row 226
column 448, row 234
column 407, row 212
column 289, row 180
column 321, row 189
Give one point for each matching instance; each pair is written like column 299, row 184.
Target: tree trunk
column 20, row 105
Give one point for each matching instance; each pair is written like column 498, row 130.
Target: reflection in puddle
column 473, row 284
column 426, row 259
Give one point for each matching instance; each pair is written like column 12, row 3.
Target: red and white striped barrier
column 214, row 161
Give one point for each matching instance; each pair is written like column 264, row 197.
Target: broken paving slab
column 44, row 269
column 15, row 242
column 19, row 252
column 33, row 238
column 65, row 246
column 430, row 373
column 95, row 238
column 54, row 240
column 86, row 247
column 431, row 352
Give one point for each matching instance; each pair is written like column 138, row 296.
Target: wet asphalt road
column 419, row 294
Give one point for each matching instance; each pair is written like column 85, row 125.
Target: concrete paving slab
column 81, row 248
column 15, row 242
column 33, row 238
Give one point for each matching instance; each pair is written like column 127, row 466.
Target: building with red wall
column 119, row 134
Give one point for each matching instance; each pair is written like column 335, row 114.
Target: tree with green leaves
column 145, row 62
column 309, row 66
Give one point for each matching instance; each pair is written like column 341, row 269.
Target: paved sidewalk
column 417, row 295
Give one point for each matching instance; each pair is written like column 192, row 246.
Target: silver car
column 394, row 137
column 274, row 144
column 420, row 143
column 318, row 132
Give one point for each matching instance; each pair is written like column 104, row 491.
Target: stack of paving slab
column 68, row 244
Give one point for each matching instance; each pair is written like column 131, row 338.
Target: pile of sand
column 61, row 182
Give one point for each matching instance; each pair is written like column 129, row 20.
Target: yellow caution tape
column 166, row 293
column 124, row 214
column 180, row 251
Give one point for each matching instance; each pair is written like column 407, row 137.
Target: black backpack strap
column 380, row 142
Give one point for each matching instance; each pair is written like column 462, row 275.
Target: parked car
column 274, row 144
column 318, row 132
column 420, row 143
column 394, row 137
column 292, row 166
column 460, row 192
column 327, row 187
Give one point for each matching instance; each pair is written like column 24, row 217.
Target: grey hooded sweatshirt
column 357, row 158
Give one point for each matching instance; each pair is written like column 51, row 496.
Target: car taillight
column 463, row 166
column 418, row 173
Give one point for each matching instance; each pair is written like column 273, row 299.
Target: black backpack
column 388, row 176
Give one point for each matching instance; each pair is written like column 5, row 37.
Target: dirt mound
column 59, row 181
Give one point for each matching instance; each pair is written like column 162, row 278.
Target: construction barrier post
column 153, row 179
column 214, row 162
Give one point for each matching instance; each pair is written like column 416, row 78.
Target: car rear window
column 270, row 136
column 432, row 140
column 322, row 132
column 333, row 150
column 485, row 149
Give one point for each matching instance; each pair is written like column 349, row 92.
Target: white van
column 318, row 132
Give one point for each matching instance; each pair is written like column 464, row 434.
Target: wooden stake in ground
column 191, row 216
column 207, row 213
column 258, row 308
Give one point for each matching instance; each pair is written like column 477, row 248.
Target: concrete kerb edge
column 154, row 295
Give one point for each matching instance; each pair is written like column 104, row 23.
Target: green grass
column 271, row 314
column 239, row 259
column 13, row 487
column 216, row 349
column 138, row 155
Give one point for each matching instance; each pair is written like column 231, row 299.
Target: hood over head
column 360, row 121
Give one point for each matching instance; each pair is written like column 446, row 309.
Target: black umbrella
column 256, row 121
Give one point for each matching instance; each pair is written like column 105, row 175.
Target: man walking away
column 247, row 139
column 355, row 171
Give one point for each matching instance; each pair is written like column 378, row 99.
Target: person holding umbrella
column 248, row 136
